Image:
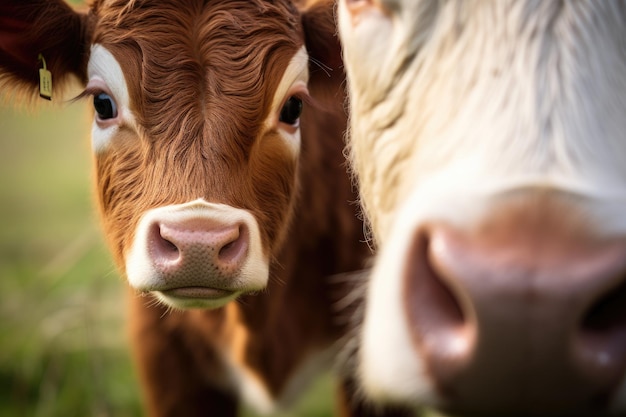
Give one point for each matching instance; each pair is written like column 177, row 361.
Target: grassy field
column 62, row 337
column 62, row 347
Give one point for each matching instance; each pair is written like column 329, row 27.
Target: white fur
column 103, row 69
column 455, row 103
column 140, row 269
column 257, row 396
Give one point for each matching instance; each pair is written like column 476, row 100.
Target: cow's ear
column 47, row 28
column 322, row 42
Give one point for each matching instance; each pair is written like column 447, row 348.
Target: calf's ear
column 47, row 28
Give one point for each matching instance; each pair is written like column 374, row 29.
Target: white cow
column 489, row 141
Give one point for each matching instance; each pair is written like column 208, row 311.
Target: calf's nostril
column 169, row 246
column 234, row 245
column 162, row 248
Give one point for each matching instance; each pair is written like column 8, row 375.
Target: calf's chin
column 487, row 139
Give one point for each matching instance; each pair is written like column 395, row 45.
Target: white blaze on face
column 106, row 76
column 455, row 103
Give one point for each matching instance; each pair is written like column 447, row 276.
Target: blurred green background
column 62, row 340
column 62, row 347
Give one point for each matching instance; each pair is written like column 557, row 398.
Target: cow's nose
column 184, row 252
column 524, row 318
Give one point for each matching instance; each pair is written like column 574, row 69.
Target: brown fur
column 201, row 80
column 193, row 80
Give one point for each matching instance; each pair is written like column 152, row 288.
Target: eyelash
column 97, row 93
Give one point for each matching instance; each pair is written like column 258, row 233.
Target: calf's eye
column 291, row 111
column 105, row 106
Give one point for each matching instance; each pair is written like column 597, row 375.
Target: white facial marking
column 294, row 81
column 104, row 70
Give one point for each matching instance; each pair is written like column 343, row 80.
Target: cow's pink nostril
column 492, row 310
column 162, row 250
column 601, row 340
column 438, row 314
column 434, row 301
column 608, row 314
column 235, row 245
column 169, row 246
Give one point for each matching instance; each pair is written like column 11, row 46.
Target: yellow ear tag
column 45, row 80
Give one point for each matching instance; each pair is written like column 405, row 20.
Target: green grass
column 63, row 350
column 62, row 347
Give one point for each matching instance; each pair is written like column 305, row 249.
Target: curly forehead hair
column 203, row 55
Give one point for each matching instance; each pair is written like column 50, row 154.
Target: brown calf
column 218, row 198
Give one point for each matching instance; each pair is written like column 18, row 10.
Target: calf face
column 196, row 163
column 196, row 139
column 488, row 141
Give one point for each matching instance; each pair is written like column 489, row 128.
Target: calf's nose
column 518, row 318
column 190, row 251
